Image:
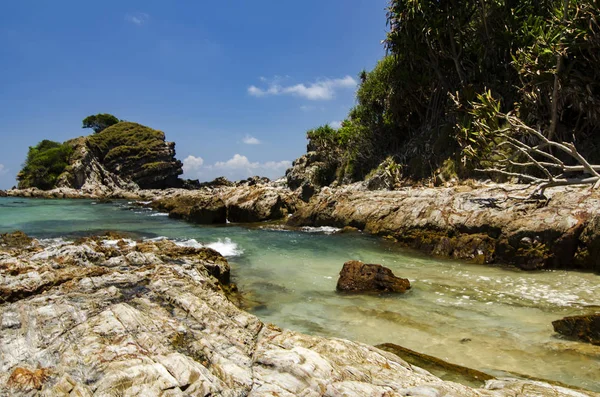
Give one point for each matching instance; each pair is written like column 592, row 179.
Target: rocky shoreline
column 109, row 315
column 486, row 224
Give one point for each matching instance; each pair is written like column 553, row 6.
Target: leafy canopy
column 99, row 122
column 421, row 105
column 45, row 162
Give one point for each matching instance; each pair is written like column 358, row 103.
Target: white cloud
column 138, row 18
column 236, row 168
column 318, row 91
column 3, row 170
column 191, row 164
column 250, row 140
column 336, row 125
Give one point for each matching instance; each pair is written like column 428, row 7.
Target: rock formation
column 243, row 203
column 484, row 224
column 124, row 156
column 361, row 277
column 116, row 317
column 583, row 328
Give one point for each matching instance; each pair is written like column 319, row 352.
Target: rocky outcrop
column 118, row 317
column 583, row 328
column 87, row 174
column 244, row 203
column 361, row 277
column 309, row 173
column 137, row 153
column 3, row 193
column 485, row 224
column 123, row 157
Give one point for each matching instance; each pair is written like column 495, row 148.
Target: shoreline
column 484, row 224
column 189, row 338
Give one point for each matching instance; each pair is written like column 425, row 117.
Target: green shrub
column 44, row 164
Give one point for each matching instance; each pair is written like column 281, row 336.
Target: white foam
column 160, row 214
column 113, row 243
column 189, row 243
column 226, row 247
column 53, row 242
column 321, row 229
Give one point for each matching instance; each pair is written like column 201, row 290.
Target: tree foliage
column 45, row 162
column 99, row 122
column 539, row 59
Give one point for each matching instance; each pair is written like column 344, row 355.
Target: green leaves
column 99, row 122
column 44, row 164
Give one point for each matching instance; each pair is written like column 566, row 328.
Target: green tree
column 44, row 164
column 99, row 122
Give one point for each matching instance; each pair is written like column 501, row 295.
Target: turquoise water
column 489, row 318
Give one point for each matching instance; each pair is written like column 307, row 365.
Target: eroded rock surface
column 245, row 203
column 583, row 328
column 482, row 224
column 363, row 277
column 147, row 318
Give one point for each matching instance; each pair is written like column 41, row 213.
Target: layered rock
column 132, row 318
column 139, row 154
column 243, row 203
column 361, row 277
column 309, row 173
column 123, row 157
column 485, row 224
column 87, row 174
column 584, row 328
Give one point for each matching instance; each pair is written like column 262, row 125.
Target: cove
column 492, row 319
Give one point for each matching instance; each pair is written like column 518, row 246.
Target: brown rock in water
column 583, row 328
column 360, row 277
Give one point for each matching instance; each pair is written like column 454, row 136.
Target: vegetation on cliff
column 130, row 151
column 45, row 162
column 455, row 69
column 99, row 122
column 138, row 153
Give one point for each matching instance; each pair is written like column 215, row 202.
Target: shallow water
column 488, row 318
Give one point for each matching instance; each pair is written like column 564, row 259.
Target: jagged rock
column 308, row 173
column 361, row 277
column 583, row 328
column 217, row 182
column 256, row 204
column 167, row 329
column 254, row 180
column 87, row 174
column 484, row 224
column 253, row 203
column 3, row 193
column 122, row 157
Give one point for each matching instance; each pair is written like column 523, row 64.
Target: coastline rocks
column 3, row 193
column 360, row 277
column 484, row 224
column 159, row 324
column 87, row 174
column 246, row 203
column 308, row 174
column 582, row 328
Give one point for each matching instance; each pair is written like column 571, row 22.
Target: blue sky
column 235, row 84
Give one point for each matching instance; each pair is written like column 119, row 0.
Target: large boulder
column 361, row 277
column 583, row 328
